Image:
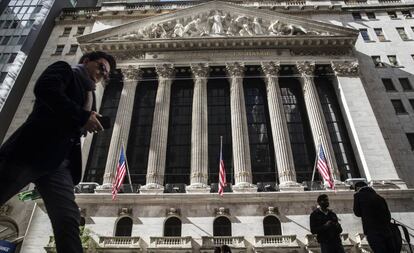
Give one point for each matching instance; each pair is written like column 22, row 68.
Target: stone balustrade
column 171, row 242
column 216, row 241
column 119, row 241
column 276, row 241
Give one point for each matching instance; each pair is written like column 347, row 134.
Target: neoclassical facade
column 275, row 85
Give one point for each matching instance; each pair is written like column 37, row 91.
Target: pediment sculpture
column 217, row 24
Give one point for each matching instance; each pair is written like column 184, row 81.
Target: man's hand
column 93, row 125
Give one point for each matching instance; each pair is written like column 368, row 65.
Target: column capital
column 345, row 68
column 235, row 69
column 165, row 70
column 131, row 73
column 200, row 70
column 306, row 68
column 271, row 68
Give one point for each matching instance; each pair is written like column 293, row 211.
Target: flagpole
column 316, row 160
column 127, row 167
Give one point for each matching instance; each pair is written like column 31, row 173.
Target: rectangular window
column 21, row 40
column 411, row 103
column 380, row 34
column 29, row 23
column 388, row 84
column 66, row 32
column 2, row 76
column 14, row 25
column 4, row 58
column 12, row 57
column 407, row 14
column 371, row 15
column 37, row 9
column 410, row 137
column 14, row 40
column 392, row 14
column 402, row 33
column 412, row 56
column 59, row 49
column 364, row 34
column 73, row 49
column 5, row 40
column 7, row 24
column 398, row 106
column 405, row 84
column 393, row 60
column 356, row 15
column 81, row 30
column 377, row 61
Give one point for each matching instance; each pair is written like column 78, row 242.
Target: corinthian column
column 239, row 130
column 317, row 121
column 120, row 132
column 374, row 161
column 159, row 134
column 280, row 133
column 199, row 133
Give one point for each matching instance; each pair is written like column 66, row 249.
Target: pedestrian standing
column 324, row 223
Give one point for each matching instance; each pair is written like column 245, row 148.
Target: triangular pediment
column 216, row 21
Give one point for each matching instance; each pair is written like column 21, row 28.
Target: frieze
column 216, row 23
column 345, row 68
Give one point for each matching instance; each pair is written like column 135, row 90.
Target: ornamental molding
column 270, row 68
column 131, row 73
column 165, row 70
column 345, row 68
column 200, row 70
column 306, row 68
column 235, row 69
column 219, row 24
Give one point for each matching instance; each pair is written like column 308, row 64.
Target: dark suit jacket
column 325, row 233
column 51, row 133
column 373, row 210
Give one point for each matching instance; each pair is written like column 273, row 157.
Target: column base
column 291, row 186
column 104, row 188
column 152, row 188
column 388, row 184
column 198, row 188
column 244, row 187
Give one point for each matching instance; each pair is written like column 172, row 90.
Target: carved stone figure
column 194, row 28
column 280, row 28
column 178, row 30
column 217, row 27
column 133, row 36
column 245, row 30
column 257, row 27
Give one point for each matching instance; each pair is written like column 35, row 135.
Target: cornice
column 299, row 44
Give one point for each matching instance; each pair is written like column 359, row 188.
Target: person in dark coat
column 376, row 218
column 46, row 151
column 324, row 223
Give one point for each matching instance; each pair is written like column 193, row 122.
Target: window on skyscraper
column 21, row 40
column 402, row 33
column 356, row 15
column 371, row 15
column 2, row 76
column 59, row 49
column 398, row 106
column 410, row 137
column 365, row 34
column 405, row 84
column 73, row 49
column 407, row 14
column 393, row 60
column 12, row 57
column 5, row 40
column 392, row 14
column 388, row 84
column 380, row 34
column 66, row 31
column 81, row 30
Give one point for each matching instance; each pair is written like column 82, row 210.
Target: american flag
column 222, row 173
column 323, row 168
column 120, row 174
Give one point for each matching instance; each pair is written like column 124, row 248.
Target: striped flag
column 120, row 174
column 222, row 173
column 323, row 168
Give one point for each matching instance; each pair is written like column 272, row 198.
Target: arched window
column 222, row 226
column 124, row 227
column 172, row 227
column 271, row 225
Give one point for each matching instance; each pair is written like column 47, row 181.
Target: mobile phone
column 105, row 122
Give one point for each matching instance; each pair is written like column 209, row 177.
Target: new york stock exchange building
column 275, row 79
